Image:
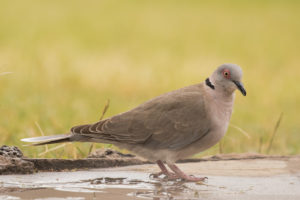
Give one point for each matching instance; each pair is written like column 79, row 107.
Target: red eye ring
column 226, row 73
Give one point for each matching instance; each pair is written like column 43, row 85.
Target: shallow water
column 114, row 184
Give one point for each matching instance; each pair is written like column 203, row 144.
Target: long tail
column 48, row 139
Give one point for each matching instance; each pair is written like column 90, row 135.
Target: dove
column 169, row 127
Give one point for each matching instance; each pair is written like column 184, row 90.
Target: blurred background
column 69, row 57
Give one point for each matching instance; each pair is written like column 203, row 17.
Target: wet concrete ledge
column 273, row 178
column 88, row 163
column 41, row 164
column 12, row 161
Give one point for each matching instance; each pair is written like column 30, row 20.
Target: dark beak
column 240, row 86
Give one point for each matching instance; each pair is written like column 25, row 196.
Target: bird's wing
column 180, row 123
column 171, row 121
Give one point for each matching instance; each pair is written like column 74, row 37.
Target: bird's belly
column 171, row 155
column 150, row 153
column 212, row 138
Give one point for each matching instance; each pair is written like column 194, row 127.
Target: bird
column 169, row 127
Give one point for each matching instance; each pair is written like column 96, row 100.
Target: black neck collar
column 209, row 84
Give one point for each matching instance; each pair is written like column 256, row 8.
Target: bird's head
column 227, row 78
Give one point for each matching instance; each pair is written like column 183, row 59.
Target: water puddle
column 106, row 184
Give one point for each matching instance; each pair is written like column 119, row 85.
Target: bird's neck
column 220, row 101
column 221, row 98
column 218, row 92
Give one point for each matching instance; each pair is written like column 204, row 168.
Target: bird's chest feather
column 222, row 113
column 220, row 110
column 219, row 114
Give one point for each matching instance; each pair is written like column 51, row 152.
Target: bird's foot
column 184, row 176
column 164, row 171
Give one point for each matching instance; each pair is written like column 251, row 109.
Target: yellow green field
column 69, row 57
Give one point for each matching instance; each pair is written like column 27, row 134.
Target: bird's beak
column 240, row 86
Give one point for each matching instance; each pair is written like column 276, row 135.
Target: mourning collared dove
column 172, row 126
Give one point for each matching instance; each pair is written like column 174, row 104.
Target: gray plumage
column 171, row 126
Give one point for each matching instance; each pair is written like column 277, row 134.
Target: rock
column 10, row 151
column 11, row 161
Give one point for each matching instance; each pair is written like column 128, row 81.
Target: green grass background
column 69, row 57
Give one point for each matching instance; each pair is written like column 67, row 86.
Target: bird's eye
column 226, row 73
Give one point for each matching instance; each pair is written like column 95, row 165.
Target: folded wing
column 171, row 121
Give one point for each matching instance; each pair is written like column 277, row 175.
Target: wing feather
column 173, row 120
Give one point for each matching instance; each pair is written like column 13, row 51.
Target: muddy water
column 117, row 184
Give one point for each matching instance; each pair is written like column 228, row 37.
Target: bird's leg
column 184, row 176
column 164, row 171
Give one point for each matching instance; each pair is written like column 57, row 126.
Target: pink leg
column 164, row 171
column 184, row 176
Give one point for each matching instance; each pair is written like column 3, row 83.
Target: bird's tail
column 48, row 139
